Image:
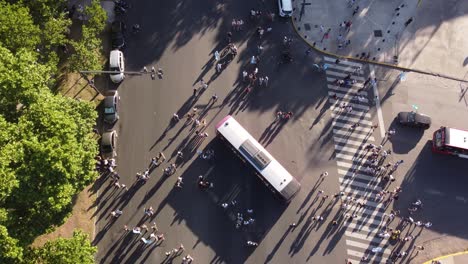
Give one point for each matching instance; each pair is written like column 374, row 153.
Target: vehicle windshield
column 411, row 117
column 115, row 69
column 438, row 138
column 106, row 148
column 109, row 110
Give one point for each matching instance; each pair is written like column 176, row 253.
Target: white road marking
column 434, row 192
column 377, row 103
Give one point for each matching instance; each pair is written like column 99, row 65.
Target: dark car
column 118, row 40
column 414, row 119
column 111, row 102
column 108, row 144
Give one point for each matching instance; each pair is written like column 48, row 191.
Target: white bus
column 275, row 176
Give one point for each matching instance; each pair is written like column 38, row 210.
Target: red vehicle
column 451, row 141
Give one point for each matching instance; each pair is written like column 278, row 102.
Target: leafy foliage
column 10, row 252
column 46, row 145
column 87, row 52
column 21, row 79
column 17, row 29
column 58, row 161
column 77, row 249
column 97, row 17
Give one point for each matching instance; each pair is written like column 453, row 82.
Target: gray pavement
column 181, row 37
column 431, row 42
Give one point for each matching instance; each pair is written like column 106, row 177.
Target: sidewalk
column 457, row 258
column 432, row 41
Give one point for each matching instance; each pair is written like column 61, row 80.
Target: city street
column 181, row 37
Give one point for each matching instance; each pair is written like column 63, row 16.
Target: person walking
column 203, row 84
column 348, row 25
column 355, row 10
column 326, row 35
column 265, row 80
column 160, row 73
column 408, row 21
column 244, row 75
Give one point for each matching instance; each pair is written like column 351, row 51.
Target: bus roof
column 274, row 172
column 457, row 138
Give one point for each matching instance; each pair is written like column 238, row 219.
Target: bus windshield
column 438, row 137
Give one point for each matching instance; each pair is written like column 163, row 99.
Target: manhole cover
column 307, row 26
column 378, row 33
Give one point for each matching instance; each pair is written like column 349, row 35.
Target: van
column 116, row 64
column 285, row 8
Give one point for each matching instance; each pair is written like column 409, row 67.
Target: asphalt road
column 181, row 37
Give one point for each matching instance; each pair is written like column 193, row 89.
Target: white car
column 285, row 8
column 116, row 64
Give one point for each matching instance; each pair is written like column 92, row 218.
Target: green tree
column 96, row 17
column 17, row 29
column 10, row 252
column 10, row 154
column 21, row 79
column 87, row 52
column 58, row 162
column 77, row 249
column 43, row 10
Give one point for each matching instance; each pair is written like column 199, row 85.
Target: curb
column 383, row 64
column 447, row 256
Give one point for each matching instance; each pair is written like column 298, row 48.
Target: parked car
column 117, row 65
column 414, row 119
column 285, row 8
column 108, row 144
column 118, row 29
column 111, row 107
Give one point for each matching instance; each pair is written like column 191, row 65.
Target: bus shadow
column 212, row 213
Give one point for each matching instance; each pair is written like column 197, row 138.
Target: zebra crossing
column 361, row 234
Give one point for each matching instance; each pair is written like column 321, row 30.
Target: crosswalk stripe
column 348, row 141
column 372, row 183
column 350, row 69
column 339, row 74
column 353, row 104
column 367, row 237
column 340, row 149
column 356, row 153
column 358, row 192
column 356, row 113
column 356, row 86
column 351, row 159
column 346, row 62
column 361, row 228
column 373, row 258
column 346, row 90
column 351, row 97
column 365, row 246
column 349, row 174
column 340, row 125
column 359, row 184
column 347, row 132
column 352, row 119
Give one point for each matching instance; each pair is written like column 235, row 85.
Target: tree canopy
column 47, row 148
column 77, row 249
